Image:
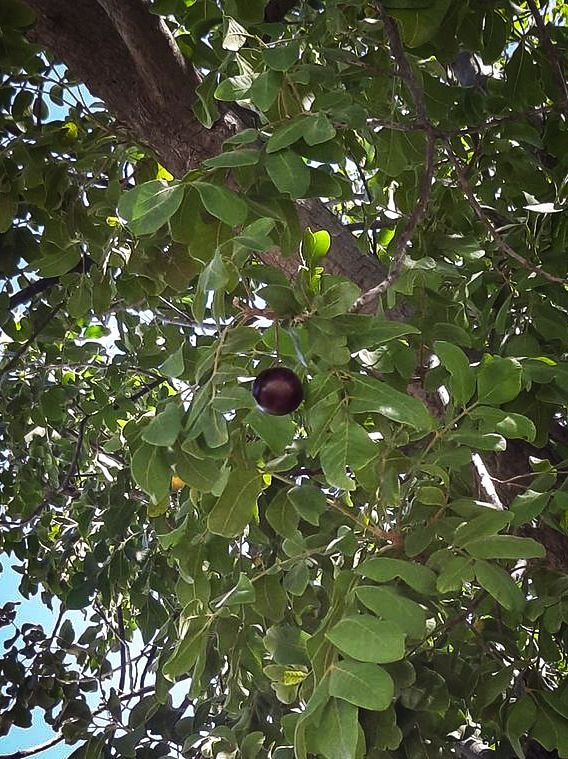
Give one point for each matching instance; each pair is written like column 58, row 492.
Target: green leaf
column 58, row 262
column 462, row 382
column 500, row 585
column 282, row 57
column 489, row 523
column 387, row 604
column 419, row 24
column 309, row 502
column 203, row 474
column 289, row 173
column 315, row 245
column 366, row 685
column 384, row 569
column 505, row 547
column 164, row 428
column 151, row 471
column 318, row 129
column 188, row 649
column 276, row 431
column 350, row 446
column 456, row 571
column 498, row 380
column 520, row 719
column 368, row 639
column 222, row 203
column 287, row 134
column 281, row 515
column 527, row 506
column 148, row 206
column 236, row 505
column 233, row 88
column 369, row 395
column 270, row 599
column 234, row 158
column 174, row 365
column 506, row 423
column 337, row 732
column 243, row 593
column 264, row 90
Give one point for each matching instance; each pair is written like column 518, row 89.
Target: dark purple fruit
column 278, row 391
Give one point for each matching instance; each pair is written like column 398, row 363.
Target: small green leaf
column 243, row 593
column 505, row 547
column 462, row 381
column 368, row 639
column 366, row 685
column 385, row 569
column 337, row 732
column 309, row 502
column 520, row 719
column 174, row 366
column 59, row 261
column 373, row 396
column 387, row 604
column 164, row 428
column 264, row 90
column 350, row 446
column 148, row 206
column 489, row 523
column 282, row 57
column 318, row 129
column 233, row 158
column 289, row 173
column 276, row 431
column 500, row 585
column 236, row 505
column 499, row 380
column 222, row 203
column 287, row 134
column 151, row 471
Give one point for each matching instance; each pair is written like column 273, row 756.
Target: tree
column 371, row 194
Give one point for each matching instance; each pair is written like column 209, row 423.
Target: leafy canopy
column 337, row 582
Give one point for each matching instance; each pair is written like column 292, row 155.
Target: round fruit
column 176, row 483
column 278, row 391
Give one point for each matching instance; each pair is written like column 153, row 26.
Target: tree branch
column 400, row 248
column 37, row 331
column 501, row 243
column 25, row 752
column 403, row 64
column 554, row 59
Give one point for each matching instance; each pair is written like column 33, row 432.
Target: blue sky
column 29, row 610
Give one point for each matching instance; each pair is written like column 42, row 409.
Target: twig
column 37, row 331
column 404, row 68
column 501, row 243
column 123, row 649
column 71, row 471
column 406, row 236
column 24, row 752
column 146, row 389
column 554, row 58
